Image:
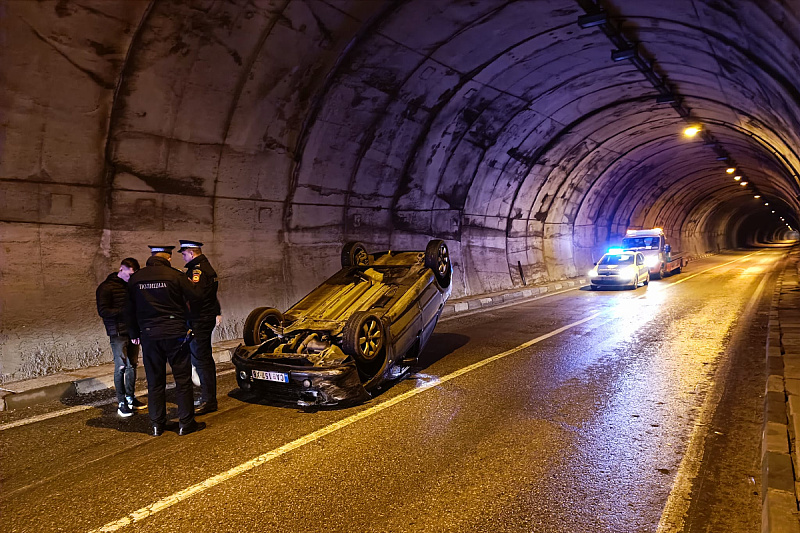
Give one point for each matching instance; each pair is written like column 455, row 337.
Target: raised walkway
column 779, row 459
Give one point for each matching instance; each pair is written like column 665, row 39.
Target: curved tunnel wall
column 276, row 131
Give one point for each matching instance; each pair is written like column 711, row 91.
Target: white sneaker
column 135, row 404
column 124, row 411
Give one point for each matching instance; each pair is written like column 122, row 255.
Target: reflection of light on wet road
column 661, row 355
column 753, row 271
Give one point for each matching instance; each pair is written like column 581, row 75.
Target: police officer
column 158, row 298
column 204, row 317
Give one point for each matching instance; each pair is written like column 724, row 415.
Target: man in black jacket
column 159, row 296
column 112, row 296
column 204, row 317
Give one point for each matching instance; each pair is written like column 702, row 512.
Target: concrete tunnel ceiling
column 277, row 130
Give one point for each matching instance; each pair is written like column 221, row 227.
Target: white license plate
column 271, row 376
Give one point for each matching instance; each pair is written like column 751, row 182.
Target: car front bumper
column 305, row 385
column 611, row 281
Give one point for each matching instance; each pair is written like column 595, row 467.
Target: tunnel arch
column 276, row 131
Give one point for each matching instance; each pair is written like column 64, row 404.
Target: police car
column 620, row 268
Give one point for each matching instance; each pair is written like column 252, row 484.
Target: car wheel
column 593, row 287
column 635, row 282
column 662, row 272
column 364, row 337
column 354, row 254
column 256, row 327
column 647, row 280
column 437, row 258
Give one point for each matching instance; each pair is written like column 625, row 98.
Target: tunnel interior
column 528, row 134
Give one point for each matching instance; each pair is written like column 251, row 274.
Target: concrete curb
column 515, row 295
column 70, row 384
column 779, row 459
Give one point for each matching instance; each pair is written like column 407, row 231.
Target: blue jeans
column 126, row 359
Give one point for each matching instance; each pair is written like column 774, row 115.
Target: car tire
column 437, row 258
column 593, row 287
column 647, row 280
column 635, row 283
column 364, row 337
column 354, row 254
column 255, row 330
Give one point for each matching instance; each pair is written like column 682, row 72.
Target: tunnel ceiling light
column 730, row 170
column 773, row 210
column 623, row 53
column 766, row 203
column 743, row 183
column 691, row 131
column 756, row 196
column 595, row 19
column 737, row 178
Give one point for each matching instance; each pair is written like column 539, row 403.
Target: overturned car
column 363, row 326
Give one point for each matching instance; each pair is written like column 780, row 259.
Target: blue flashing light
column 615, row 250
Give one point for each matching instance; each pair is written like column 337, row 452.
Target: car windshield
column 641, row 242
column 617, row 259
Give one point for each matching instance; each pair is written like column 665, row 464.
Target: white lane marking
column 186, row 493
column 79, row 408
column 687, row 278
column 46, row 416
column 679, row 499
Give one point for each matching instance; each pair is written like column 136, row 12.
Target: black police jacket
column 112, row 296
column 204, row 278
column 159, row 300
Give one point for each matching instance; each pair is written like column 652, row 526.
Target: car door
column 641, row 266
column 430, row 303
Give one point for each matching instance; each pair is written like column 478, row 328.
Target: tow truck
column 657, row 252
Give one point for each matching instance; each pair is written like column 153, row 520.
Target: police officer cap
column 160, row 249
column 185, row 245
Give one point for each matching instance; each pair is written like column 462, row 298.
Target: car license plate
column 271, row 376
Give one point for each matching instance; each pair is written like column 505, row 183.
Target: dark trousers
column 203, row 360
column 155, row 354
column 126, row 359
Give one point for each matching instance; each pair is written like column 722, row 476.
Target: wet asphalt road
column 642, row 414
